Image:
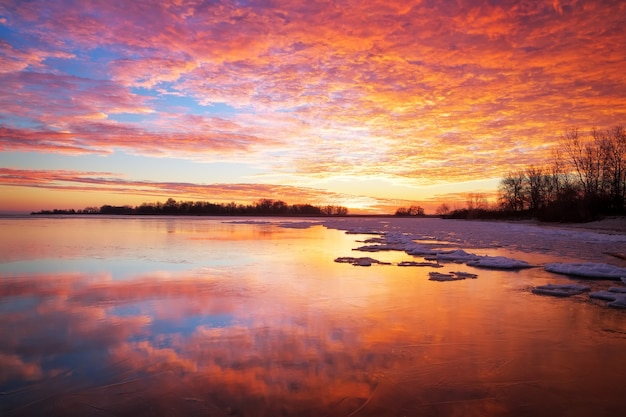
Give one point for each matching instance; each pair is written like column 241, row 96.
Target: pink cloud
column 105, row 182
column 397, row 76
column 52, row 99
column 149, row 72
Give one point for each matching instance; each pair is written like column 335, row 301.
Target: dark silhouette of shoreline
column 264, row 207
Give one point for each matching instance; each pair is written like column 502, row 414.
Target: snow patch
column 560, row 290
column 459, row 256
column 381, row 247
column 616, row 296
column 452, row 276
column 587, row 270
column 413, row 263
column 363, row 261
column 499, row 262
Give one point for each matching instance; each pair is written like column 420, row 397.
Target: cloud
column 56, row 100
column 149, row 72
column 13, row 59
column 418, row 84
column 105, row 182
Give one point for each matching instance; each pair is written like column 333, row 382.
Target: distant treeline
column 585, row 180
column 410, row 211
column 264, row 207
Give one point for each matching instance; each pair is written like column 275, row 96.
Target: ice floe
column 420, row 250
column 560, row 290
column 396, row 242
column 459, row 256
column 298, row 225
column 465, row 274
column 587, row 270
column 451, row 276
column 414, row 263
column 616, row 296
column 380, row 247
column 359, row 230
column 362, row 261
column 499, row 262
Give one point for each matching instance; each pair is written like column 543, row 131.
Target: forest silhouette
column 263, row 207
column 585, row 180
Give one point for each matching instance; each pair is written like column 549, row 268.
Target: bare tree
column 476, row 201
column 614, row 160
column 586, row 157
column 512, row 191
column 442, row 210
column 535, row 188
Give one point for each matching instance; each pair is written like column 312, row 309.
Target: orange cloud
column 105, row 182
column 427, row 92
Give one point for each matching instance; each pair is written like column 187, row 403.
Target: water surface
column 206, row 316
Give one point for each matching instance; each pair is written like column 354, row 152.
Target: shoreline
column 610, row 225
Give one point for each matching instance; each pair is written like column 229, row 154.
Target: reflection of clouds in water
column 13, row 367
column 80, row 325
column 299, row 335
column 278, row 355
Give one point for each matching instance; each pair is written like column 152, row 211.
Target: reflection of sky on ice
column 288, row 331
column 118, row 269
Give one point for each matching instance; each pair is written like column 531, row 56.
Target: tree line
column 410, row 211
column 263, row 207
column 586, row 179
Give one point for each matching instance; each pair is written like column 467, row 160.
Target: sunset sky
column 372, row 105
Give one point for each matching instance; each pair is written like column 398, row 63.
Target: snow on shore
column 569, row 241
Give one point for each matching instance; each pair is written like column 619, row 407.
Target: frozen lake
column 253, row 317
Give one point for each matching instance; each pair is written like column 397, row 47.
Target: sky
column 371, row 105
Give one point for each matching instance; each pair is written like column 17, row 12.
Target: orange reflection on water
column 289, row 332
